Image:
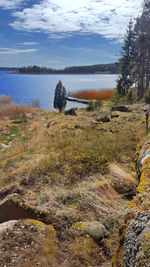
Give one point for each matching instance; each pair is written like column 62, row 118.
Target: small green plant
column 24, row 118
column 94, row 104
column 90, row 106
column 14, row 132
column 98, row 103
column 7, row 164
column 116, row 99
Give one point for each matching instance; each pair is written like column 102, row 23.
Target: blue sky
column 60, row 33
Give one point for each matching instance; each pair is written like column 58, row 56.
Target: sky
column 62, row 33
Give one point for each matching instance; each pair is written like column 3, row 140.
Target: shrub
column 90, row 106
column 116, row 99
column 94, row 105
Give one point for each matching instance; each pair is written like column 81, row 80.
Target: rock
column 103, row 118
column 5, row 146
column 13, row 207
column 29, row 115
column 121, row 108
column 95, row 122
column 137, row 241
column 123, row 183
column 71, row 112
column 7, row 225
column 115, row 115
column 50, row 123
column 143, row 155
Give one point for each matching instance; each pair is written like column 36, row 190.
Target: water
column 23, row 88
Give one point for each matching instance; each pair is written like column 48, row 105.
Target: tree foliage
column 60, row 97
column 126, row 80
column 135, row 60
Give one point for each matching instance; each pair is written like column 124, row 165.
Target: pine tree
column 60, row 97
column 142, row 51
column 126, row 80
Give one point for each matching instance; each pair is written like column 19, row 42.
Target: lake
column 23, row 88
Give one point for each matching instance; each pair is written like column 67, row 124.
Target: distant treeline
column 7, row 68
column 113, row 68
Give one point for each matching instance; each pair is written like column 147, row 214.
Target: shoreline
column 63, row 73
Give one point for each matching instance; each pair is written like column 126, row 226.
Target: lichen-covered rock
column 137, row 242
column 135, row 245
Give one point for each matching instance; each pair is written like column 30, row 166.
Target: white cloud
column 11, row 51
column 28, row 43
column 10, row 4
column 63, row 18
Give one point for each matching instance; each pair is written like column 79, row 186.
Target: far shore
column 29, row 73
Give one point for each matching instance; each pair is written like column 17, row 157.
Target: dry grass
column 13, row 111
column 65, row 169
column 5, row 100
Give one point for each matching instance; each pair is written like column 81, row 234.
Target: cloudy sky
column 59, row 33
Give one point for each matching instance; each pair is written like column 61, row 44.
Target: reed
column 93, row 94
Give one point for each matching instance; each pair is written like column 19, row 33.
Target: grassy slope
column 66, row 169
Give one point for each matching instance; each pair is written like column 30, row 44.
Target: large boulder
column 121, row 108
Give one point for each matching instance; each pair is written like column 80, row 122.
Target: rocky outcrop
column 134, row 245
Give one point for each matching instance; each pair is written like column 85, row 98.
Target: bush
column 94, row 105
column 90, row 106
column 116, row 99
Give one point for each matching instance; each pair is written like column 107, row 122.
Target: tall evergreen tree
column 142, row 50
column 126, row 78
column 60, row 97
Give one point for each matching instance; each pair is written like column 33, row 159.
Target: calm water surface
column 23, row 88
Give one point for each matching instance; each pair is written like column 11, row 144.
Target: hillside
column 66, row 184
